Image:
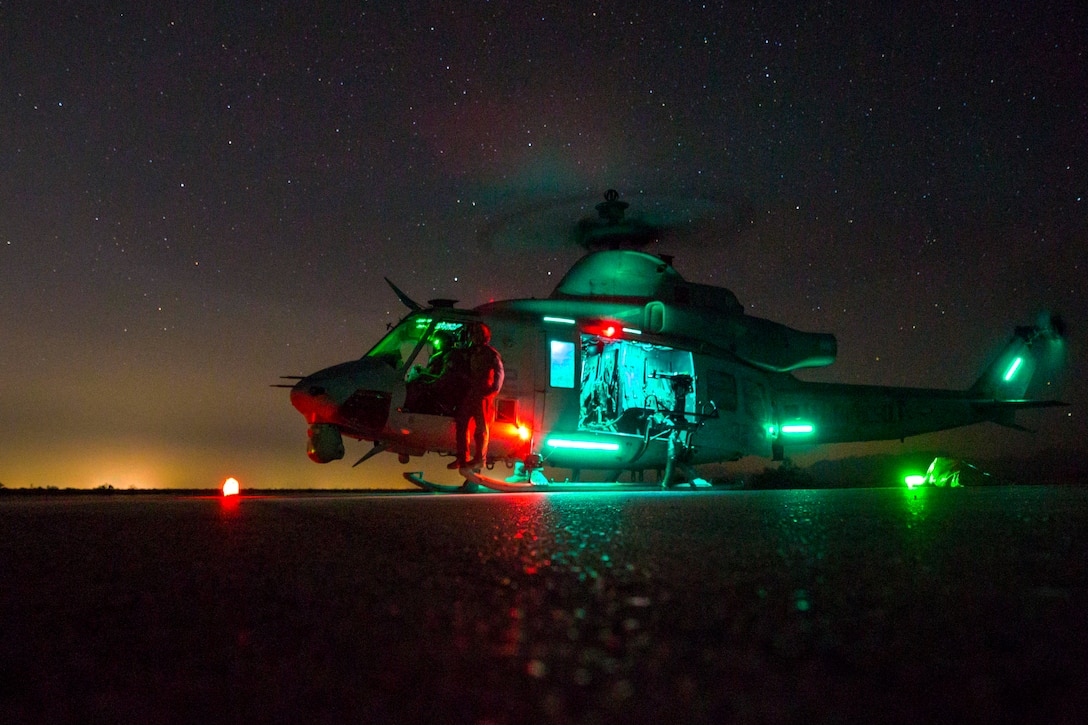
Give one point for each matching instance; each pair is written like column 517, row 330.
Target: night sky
column 194, row 202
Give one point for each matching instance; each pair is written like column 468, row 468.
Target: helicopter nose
column 313, row 401
column 354, row 396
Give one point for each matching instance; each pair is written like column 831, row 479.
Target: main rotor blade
column 405, row 299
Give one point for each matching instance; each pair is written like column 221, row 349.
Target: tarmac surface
column 929, row 605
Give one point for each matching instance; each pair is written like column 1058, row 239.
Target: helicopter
column 628, row 368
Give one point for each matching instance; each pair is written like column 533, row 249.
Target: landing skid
column 417, row 478
column 474, row 480
column 509, row 487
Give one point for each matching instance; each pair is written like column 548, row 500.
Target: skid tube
column 509, row 487
column 416, row 477
column 474, row 481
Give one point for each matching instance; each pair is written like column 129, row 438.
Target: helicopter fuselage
column 629, row 367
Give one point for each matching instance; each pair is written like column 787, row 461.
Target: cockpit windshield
column 417, row 338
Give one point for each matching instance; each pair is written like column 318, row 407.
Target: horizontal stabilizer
column 1016, row 404
column 1003, row 412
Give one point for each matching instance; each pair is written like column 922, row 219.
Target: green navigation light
column 797, row 428
column 582, row 445
column 1013, row 368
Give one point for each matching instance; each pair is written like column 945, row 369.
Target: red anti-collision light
column 604, row 329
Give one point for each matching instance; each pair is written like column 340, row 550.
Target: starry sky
column 195, row 200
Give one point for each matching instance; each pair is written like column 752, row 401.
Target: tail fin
column 1034, row 352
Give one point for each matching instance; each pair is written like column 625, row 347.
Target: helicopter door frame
column 625, row 384
column 756, row 415
column 559, row 386
column 724, row 435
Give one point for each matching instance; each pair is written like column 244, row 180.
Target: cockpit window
column 419, row 338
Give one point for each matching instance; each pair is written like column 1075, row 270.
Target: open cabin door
column 626, row 385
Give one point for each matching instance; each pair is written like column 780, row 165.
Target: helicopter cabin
column 579, row 393
column 621, row 353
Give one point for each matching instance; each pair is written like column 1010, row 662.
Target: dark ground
column 749, row 606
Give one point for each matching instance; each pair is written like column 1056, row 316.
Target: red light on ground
column 230, row 487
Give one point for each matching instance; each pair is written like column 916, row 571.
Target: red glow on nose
column 230, row 487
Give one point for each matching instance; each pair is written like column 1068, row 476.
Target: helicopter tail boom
column 815, row 413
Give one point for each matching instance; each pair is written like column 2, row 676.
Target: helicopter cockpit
column 424, row 351
column 416, row 339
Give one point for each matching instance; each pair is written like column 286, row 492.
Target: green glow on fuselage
column 1013, row 368
column 582, row 445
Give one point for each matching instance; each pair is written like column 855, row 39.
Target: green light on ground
column 1013, row 368
column 915, row 479
column 582, row 445
column 796, row 428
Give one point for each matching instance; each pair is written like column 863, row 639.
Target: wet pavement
column 739, row 606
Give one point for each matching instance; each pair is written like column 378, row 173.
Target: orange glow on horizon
column 230, row 487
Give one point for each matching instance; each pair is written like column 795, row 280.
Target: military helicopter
column 628, row 368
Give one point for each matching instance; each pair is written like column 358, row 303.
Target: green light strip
column 1013, row 368
column 562, row 320
column 582, row 445
column 797, row 428
column 631, row 331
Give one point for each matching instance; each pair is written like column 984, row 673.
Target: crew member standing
column 485, row 376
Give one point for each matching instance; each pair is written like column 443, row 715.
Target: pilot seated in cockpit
column 434, row 388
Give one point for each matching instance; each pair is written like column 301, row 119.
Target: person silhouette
column 485, row 377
